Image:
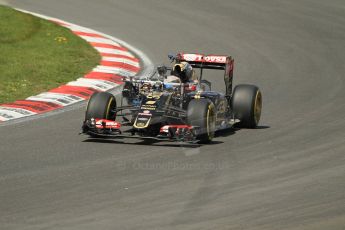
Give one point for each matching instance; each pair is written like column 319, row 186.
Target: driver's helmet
column 145, row 88
column 162, row 70
column 184, row 71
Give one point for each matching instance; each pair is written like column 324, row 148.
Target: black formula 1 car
column 183, row 109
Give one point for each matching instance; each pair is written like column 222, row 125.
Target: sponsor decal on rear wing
column 220, row 59
column 210, row 61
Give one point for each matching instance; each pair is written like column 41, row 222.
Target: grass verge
column 37, row 55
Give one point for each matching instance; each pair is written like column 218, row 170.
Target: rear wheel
column 101, row 105
column 247, row 104
column 201, row 113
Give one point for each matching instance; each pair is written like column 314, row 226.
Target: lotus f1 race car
column 173, row 104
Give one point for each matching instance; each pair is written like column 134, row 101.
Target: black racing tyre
column 201, row 113
column 101, row 105
column 246, row 104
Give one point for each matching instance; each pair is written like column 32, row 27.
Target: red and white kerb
column 117, row 61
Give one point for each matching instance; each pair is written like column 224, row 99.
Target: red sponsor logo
column 202, row 58
column 215, row 59
column 102, row 123
column 192, row 57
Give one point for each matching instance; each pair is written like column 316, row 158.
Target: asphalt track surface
column 288, row 174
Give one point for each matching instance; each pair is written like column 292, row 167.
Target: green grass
column 37, row 55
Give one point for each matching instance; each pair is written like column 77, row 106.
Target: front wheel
column 101, row 105
column 246, row 104
column 201, row 113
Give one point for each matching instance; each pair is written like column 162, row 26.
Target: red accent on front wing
column 107, row 124
column 166, row 127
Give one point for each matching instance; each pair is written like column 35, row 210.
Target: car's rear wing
column 211, row 61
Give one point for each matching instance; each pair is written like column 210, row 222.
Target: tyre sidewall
column 243, row 103
column 100, row 106
column 201, row 113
